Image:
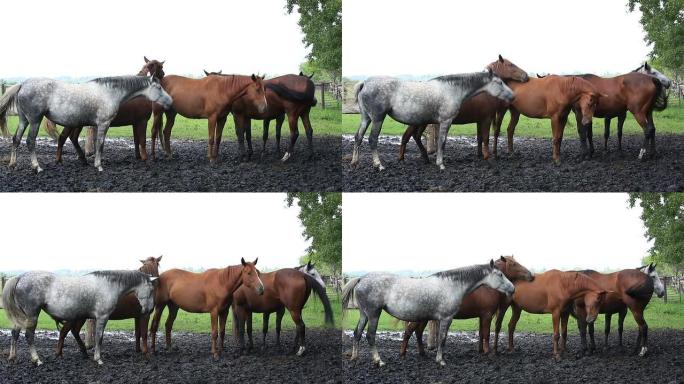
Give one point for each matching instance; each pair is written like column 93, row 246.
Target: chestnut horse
column 210, row 98
column 551, row 97
column 482, row 303
column 633, row 289
column 135, row 112
column 635, row 92
column 552, row 292
column 210, row 291
column 127, row 307
column 283, row 289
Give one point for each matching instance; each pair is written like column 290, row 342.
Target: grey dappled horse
column 435, row 101
column 70, row 298
column 646, row 69
column 435, row 297
column 95, row 103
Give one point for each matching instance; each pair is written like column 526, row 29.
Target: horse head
column 658, row 286
column 497, row 88
column 496, row 279
column 588, row 98
column 256, row 94
column 144, row 292
column 646, row 69
column 153, row 67
column 507, row 70
column 512, row 269
column 150, row 265
column 310, row 270
column 250, row 276
column 155, row 92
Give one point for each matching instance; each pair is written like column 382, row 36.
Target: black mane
column 471, row 273
column 123, row 277
column 464, row 79
column 125, row 82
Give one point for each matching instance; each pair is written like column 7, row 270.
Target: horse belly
column 127, row 307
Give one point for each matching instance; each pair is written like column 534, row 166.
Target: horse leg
column 220, row 123
column 215, row 351
column 279, row 128
column 621, row 123
column 170, row 120
column 557, row 126
column 370, row 336
column 408, row 331
column 100, row 324
column 358, row 138
column 441, row 142
column 296, row 314
column 485, row 328
column 582, row 327
column 606, row 332
column 373, row 142
column 66, row 327
column 408, row 133
column 29, row 334
column 642, row 339
column 443, row 331
column 74, row 141
column 140, row 131
column 498, row 120
column 564, row 330
column 16, row 139
column 294, row 133
column 142, row 326
column 483, row 132
column 417, row 137
column 173, row 311
column 264, row 329
column 279, row 320
column 250, row 342
column 158, row 310
column 358, row 332
column 500, row 313
column 306, row 122
column 651, row 130
column 211, row 134
column 76, row 332
column 248, row 138
column 606, row 132
column 156, row 127
column 480, row 348
column 643, row 122
column 136, row 329
column 515, row 116
column 621, row 322
column 223, row 316
column 16, row 331
column 556, row 334
column 515, row 316
column 582, row 132
column 99, row 144
column 267, row 122
column 31, row 144
column 66, row 133
column 419, row 337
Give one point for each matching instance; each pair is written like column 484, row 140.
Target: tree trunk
column 431, row 135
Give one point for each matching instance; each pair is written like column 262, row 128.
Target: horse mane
column 290, row 94
column 586, row 76
column 123, row 82
column 122, row 277
column 470, row 273
column 463, row 80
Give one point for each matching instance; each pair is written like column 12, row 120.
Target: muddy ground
column 530, row 362
column 187, row 170
column 189, row 361
column 529, row 168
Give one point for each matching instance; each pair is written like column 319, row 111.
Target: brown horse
column 552, row 292
column 551, row 97
column 635, row 92
column 210, row 98
column 135, row 112
column 283, row 289
column 632, row 289
column 210, row 291
column 128, row 307
column 291, row 95
column 482, row 303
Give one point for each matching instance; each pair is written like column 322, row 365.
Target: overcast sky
column 113, row 231
column 421, row 231
column 386, row 37
column 92, row 38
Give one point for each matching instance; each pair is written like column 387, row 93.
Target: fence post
column 665, row 284
column 323, row 95
column 2, row 87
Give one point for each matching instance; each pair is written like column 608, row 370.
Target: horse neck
column 579, row 285
column 143, row 71
column 234, row 86
column 231, row 278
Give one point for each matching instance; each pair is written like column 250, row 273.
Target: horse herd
column 114, row 102
column 483, row 98
column 481, row 291
column 116, row 295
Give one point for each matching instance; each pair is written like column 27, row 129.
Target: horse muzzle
column 590, row 319
column 260, row 290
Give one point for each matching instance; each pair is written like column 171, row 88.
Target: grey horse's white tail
column 8, row 100
column 357, row 88
column 14, row 312
column 348, row 293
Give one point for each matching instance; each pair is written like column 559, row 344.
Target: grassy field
column 313, row 316
column 671, row 120
column 324, row 122
column 657, row 314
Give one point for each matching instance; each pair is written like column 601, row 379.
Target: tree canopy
column 321, row 23
column 663, row 22
column 321, row 216
column 663, row 217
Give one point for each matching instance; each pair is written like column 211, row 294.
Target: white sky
column 421, row 231
column 435, row 37
column 114, row 231
column 93, row 38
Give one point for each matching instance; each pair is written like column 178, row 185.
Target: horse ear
column 253, row 77
column 220, row 71
column 146, row 59
column 205, row 72
column 501, row 59
column 142, row 261
column 255, row 261
column 491, row 263
column 646, row 66
column 503, row 259
column 651, row 267
column 159, row 258
column 162, row 63
column 243, row 261
column 301, row 73
column 489, row 70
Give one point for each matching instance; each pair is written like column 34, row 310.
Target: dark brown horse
column 482, row 303
column 552, row 292
column 210, row 98
column 631, row 289
column 128, row 307
column 283, row 289
column 208, row 292
column 291, row 95
column 551, row 97
column 135, row 112
column 635, row 92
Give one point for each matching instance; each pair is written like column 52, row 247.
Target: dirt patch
column 189, row 361
column 187, row 170
column 529, row 169
column 531, row 362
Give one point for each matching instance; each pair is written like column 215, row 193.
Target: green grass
column 324, row 122
column 671, row 120
column 312, row 314
column 657, row 314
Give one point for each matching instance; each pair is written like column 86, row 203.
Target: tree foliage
column 321, row 216
column 663, row 217
column 663, row 22
column 321, row 23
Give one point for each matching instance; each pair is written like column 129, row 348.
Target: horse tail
column 306, row 97
column 14, row 312
column 348, row 292
column 357, row 89
column 7, row 101
column 642, row 290
column 660, row 102
column 319, row 290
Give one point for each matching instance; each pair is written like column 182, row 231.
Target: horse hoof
column 99, row 362
column 301, row 350
column 442, row 167
column 39, row 170
column 285, row 157
column 39, row 363
column 442, row 363
column 643, row 351
column 379, row 363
